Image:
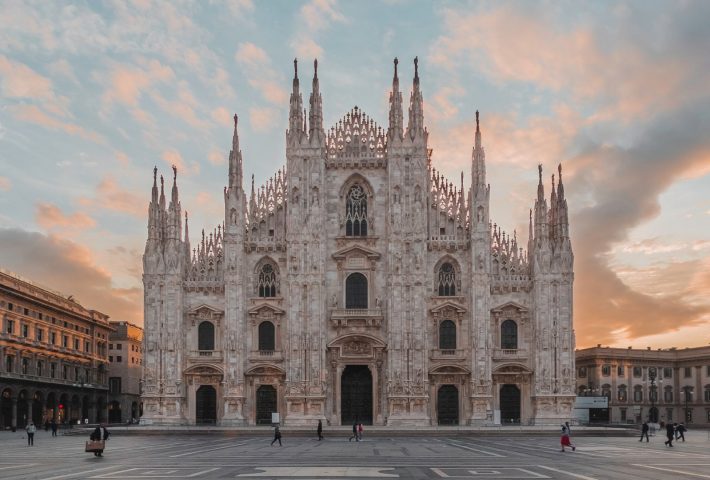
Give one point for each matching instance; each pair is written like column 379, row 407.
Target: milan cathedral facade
column 358, row 284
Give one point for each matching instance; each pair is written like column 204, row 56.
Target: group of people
column 357, row 432
column 674, row 431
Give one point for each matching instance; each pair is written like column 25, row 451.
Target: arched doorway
column 356, row 395
column 85, row 408
column 114, row 412
column 266, row 404
column 447, row 405
column 37, row 409
column 22, row 409
column 51, row 404
column 206, row 405
column 509, row 405
column 134, row 412
column 652, row 415
column 6, row 408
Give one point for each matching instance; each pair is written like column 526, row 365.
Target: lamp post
column 687, row 389
column 653, row 415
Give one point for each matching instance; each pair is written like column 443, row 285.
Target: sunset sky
column 94, row 94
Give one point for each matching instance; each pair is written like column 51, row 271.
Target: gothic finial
column 174, row 173
column 315, row 69
column 553, row 183
column 395, row 67
column 155, row 174
column 295, row 68
column 559, row 170
column 162, row 182
column 539, row 170
column 478, row 129
column 236, row 119
column 416, row 67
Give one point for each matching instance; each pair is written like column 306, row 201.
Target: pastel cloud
column 216, row 157
column 260, row 73
column 109, row 195
column 33, row 114
column 314, row 17
column 127, row 82
column 221, row 116
column 5, row 184
column 262, row 119
column 67, row 266
column 51, row 217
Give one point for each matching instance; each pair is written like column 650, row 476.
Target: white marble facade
column 358, row 283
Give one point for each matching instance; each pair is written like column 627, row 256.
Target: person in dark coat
column 669, row 434
column 99, row 433
column 53, row 425
column 680, row 432
column 355, row 436
column 277, row 436
column 320, row 430
column 644, row 431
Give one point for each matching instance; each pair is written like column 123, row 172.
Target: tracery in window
column 356, row 212
column 447, row 280
column 268, row 282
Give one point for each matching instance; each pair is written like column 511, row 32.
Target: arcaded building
column 358, row 284
column 53, row 356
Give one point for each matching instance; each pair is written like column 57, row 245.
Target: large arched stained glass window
column 356, row 291
column 205, row 336
column 447, row 280
column 356, row 212
column 447, row 335
column 267, row 340
column 268, row 281
column 509, row 335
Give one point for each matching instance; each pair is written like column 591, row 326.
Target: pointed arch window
column 356, row 212
column 268, row 281
column 356, row 291
column 447, row 335
column 205, row 336
column 447, row 280
column 267, row 338
column 509, row 335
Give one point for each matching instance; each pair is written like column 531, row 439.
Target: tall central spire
column 295, row 114
column 415, row 127
column 396, row 117
column 315, row 118
column 479, row 161
column 235, row 159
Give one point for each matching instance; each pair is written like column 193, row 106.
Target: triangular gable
column 256, row 310
column 448, row 305
column 204, row 307
column 356, row 249
column 509, row 306
column 264, row 369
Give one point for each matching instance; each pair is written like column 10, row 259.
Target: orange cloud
column 222, row 116
column 110, row 196
column 260, row 73
column 5, row 184
column 127, row 83
column 49, row 217
column 33, row 114
column 20, row 81
column 262, row 119
column 216, row 157
column 70, row 268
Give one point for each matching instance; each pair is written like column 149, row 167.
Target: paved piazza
column 217, row 456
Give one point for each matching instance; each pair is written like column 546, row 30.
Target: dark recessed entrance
column 509, row 405
column 356, row 395
column 265, row 404
column 206, row 405
column 447, row 405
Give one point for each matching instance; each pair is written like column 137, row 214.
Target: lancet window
column 447, row 335
column 509, row 335
column 205, row 336
column 267, row 339
column 447, row 280
column 268, row 282
column 356, row 291
column 356, row 212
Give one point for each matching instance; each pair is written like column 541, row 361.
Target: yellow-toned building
column 53, row 356
column 125, row 357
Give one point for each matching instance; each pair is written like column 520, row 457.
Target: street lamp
column 687, row 389
column 653, row 414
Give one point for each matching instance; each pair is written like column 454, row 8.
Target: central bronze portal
column 265, row 404
column 356, row 395
column 206, row 405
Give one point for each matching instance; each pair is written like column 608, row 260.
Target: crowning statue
column 444, row 321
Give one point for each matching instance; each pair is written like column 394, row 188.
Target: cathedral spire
column 552, row 221
column 187, row 243
column 154, row 192
column 396, row 117
column 162, row 193
column 562, row 217
column 295, row 120
column 540, row 211
column 235, row 159
column 315, row 119
column 415, row 126
column 479, row 161
column 252, row 198
column 174, row 193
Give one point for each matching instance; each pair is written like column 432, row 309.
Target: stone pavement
column 217, row 456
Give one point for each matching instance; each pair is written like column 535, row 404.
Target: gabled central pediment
column 508, row 306
column 354, row 251
column 205, row 312
column 266, row 309
column 448, row 305
column 356, row 135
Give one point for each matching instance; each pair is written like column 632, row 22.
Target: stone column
column 13, row 423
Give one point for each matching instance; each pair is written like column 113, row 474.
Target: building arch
column 205, row 336
column 356, row 195
column 509, row 335
column 267, row 336
column 447, row 277
column 356, row 291
column 268, row 278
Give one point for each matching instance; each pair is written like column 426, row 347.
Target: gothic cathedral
column 358, row 284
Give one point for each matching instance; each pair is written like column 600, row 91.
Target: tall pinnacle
column 315, row 118
column 396, row 117
column 235, row 159
column 415, row 126
column 295, row 120
column 174, row 196
column 479, row 161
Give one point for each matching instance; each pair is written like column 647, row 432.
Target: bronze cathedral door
column 356, row 395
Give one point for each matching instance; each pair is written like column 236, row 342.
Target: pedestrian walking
column 565, row 441
column 277, row 436
column 46, row 425
column 359, row 431
column 644, row 431
column 320, row 430
column 31, row 429
column 669, row 434
column 680, row 432
column 355, row 435
column 53, row 425
column 99, row 434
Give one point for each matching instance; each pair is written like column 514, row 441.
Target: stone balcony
column 505, row 354
column 205, row 356
column 266, row 356
column 447, row 354
column 447, row 242
column 356, row 317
